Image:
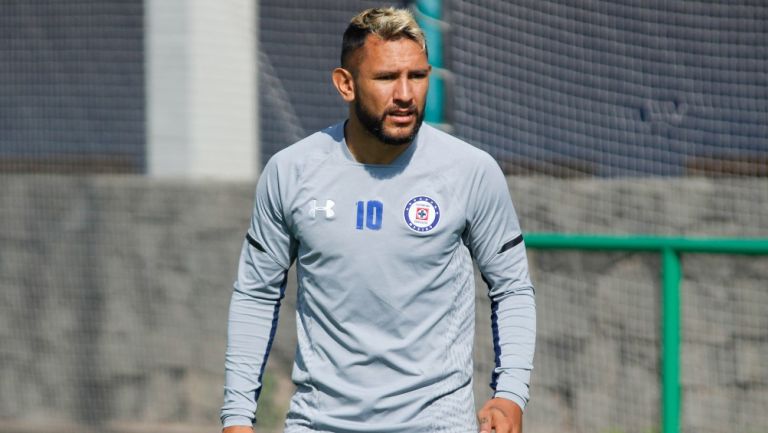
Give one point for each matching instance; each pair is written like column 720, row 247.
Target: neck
column 366, row 148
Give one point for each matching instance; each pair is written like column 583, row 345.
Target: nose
column 403, row 93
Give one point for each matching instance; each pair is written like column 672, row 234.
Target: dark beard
column 375, row 125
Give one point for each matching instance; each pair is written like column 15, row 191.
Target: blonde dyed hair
column 387, row 23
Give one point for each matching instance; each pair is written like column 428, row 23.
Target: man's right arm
column 253, row 315
column 267, row 252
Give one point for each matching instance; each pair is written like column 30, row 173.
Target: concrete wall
column 114, row 294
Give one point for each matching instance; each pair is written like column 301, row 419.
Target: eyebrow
column 395, row 72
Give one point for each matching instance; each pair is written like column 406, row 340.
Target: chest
column 349, row 212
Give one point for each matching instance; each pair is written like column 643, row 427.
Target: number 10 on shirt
column 369, row 215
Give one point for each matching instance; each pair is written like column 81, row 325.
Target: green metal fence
column 670, row 249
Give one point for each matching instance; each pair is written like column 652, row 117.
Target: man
column 383, row 216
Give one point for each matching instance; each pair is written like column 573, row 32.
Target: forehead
column 401, row 53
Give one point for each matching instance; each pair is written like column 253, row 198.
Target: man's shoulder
column 319, row 145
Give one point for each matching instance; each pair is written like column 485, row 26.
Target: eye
column 385, row 77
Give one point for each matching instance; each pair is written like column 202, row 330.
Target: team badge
column 422, row 213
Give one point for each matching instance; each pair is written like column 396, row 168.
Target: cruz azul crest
column 421, row 214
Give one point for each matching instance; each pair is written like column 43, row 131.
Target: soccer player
column 383, row 216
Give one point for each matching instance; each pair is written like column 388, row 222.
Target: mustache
column 400, row 110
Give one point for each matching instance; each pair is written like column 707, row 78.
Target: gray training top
column 385, row 310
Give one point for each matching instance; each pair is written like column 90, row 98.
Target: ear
column 344, row 83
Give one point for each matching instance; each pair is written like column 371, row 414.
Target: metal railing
column 670, row 249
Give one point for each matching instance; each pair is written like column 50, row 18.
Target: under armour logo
column 328, row 209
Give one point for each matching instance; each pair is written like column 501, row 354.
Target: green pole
column 429, row 14
column 670, row 369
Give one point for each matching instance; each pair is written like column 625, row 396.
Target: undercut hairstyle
column 387, row 23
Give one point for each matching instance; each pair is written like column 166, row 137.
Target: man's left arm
column 513, row 326
column 497, row 244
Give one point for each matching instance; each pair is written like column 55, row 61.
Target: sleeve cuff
column 512, row 397
column 237, row 420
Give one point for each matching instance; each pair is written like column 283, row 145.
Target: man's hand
column 238, row 429
column 500, row 414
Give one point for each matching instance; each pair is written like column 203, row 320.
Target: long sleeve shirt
column 385, row 310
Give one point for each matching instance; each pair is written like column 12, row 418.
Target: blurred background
column 132, row 133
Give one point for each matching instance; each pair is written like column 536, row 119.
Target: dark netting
column 72, row 86
column 612, row 88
